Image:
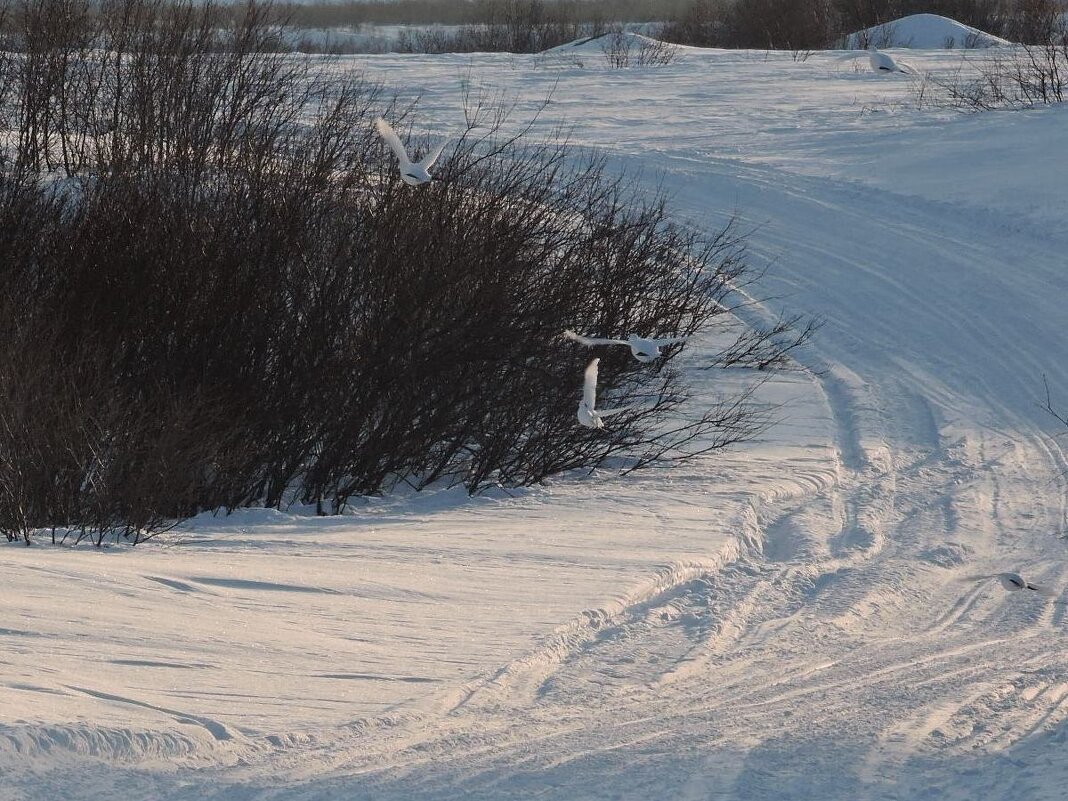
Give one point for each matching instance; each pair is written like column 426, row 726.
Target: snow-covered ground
column 787, row 621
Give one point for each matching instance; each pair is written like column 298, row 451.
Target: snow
column 923, row 32
column 780, row 622
column 596, row 45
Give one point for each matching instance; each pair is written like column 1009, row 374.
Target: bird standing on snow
column 1012, row 582
column 588, row 415
column 881, row 62
column 412, row 174
column 644, row 350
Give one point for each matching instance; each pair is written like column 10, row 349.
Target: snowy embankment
column 923, row 32
column 787, row 621
column 596, row 45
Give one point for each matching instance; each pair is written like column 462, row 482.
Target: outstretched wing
column 589, row 385
column 591, row 341
column 385, row 130
column 429, row 159
column 663, row 343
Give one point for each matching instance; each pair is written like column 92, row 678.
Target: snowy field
column 786, row 621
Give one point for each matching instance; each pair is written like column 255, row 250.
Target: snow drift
column 596, row 45
column 923, row 32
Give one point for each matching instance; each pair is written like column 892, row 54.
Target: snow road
column 784, row 622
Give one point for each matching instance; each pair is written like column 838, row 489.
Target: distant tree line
column 533, row 25
column 816, row 24
column 462, row 12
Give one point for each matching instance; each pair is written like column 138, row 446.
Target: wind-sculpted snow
column 786, row 621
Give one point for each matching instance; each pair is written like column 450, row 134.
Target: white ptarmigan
column 643, row 349
column 881, row 62
column 588, row 414
column 1013, row 582
column 413, row 174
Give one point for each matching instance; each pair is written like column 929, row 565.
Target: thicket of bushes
column 510, row 27
column 215, row 292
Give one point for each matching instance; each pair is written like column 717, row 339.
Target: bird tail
column 569, row 334
column 1043, row 591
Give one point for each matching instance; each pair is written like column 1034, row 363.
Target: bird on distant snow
column 644, row 350
column 881, row 62
column 413, row 174
column 1013, row 582
column 588, row 414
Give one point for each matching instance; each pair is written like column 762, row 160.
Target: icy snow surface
column 782, row 622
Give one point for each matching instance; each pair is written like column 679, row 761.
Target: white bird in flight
column 588, row 414
column 413, row 174
column 1013, row 582
column 644, row 350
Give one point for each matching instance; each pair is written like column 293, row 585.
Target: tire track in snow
column 217, row 730
column 902, row 492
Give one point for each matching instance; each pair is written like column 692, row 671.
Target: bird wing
column 385, row 130
column 855, row 56
column 663, row 343
column 590, row 341
column 429, row 159
column 589, row 385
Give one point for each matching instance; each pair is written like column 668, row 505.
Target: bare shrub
column 156, row 193
column 1024, row 76
column 215, row 292
column 656, row 53
column 426, row 40
column 880, row 37
column 1040, row 73
column 1035, row 22
column 702, row 23
column 616, row 47
column 759, row 24
column 621, row 50
column 514, row 26
column 781, row 24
